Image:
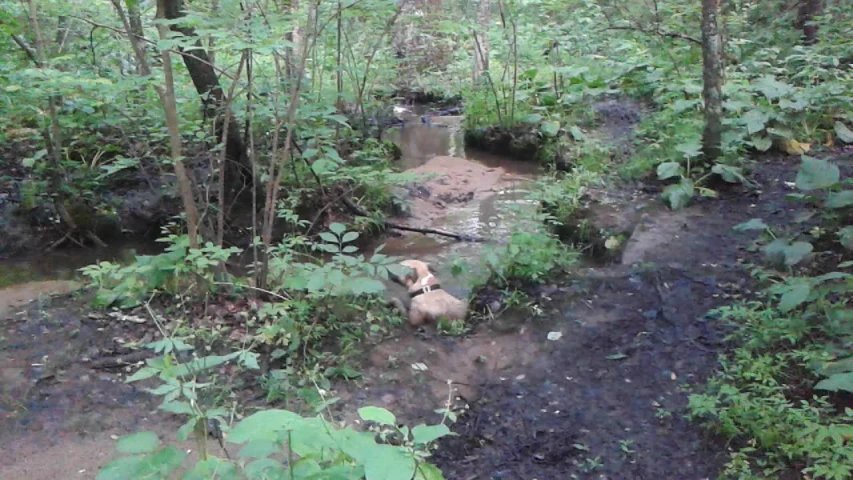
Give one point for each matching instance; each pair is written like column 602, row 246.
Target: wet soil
column 634, row 340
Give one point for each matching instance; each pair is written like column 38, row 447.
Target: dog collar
column 424, row 289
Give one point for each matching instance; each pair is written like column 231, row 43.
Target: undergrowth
column 783, row 394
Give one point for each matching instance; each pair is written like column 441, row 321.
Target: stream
column 491, row 212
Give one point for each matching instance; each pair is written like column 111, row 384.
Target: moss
column 522, row 141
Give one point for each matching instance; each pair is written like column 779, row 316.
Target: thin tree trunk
column 171, row 109
column 276, row 172
column 211, row 42
column 481, row 40
column 807, row 11
column 207, row 84
column 712, row 77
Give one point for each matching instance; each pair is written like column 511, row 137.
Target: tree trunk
column 203, row 74
column 712, row 77
column 481, row 42
column 167, row 95
column 806, row 12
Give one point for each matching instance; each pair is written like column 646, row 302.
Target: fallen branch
column 119, row 361
column 660, row 33
column 462, row 237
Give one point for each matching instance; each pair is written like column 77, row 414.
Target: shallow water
column 494, row 216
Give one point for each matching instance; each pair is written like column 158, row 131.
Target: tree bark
column 712, row 76
column 167, row 95
column 808, row 9
column 200, row 68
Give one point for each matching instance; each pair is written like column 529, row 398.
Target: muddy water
column 38, row 275
column 496, row 209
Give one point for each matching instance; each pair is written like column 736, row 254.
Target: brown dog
column 429, row 302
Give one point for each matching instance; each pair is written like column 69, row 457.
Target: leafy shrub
column 793, row 347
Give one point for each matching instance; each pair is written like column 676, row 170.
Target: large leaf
column 844, row 133
column 794, row 296
column 796, row 252
column 772, row 88
column 263, row 425
column 839, row 382
column 428, row 471
column 729, row 173
column 141, row 442
column 761, row 143
column 378, row 415
column 424, row 434
column 755, row 121
column 389, row 464
column 677, row 196
column 839, row 199
column 816, row 174
column 669, row 170
column 550, row 128
column 159, row 464
column 212, row 468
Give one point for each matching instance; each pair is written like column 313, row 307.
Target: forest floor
column 605, row 400
column 593, row 383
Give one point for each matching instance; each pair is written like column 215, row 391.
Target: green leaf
column 177, row 408
column 124, row 468
column 328, row 237
column 263, row 425
column 761, row 143
column 844, row 134
column 677, row 196
column 669, row 170
column 772, row 88
column 839, row 199
column 365, row 286
column 338, row 228
column 424, row 434
column 140, row 442
column 577, row 134
column 729, row 173
column 795, row 252
column 754, row 224
column 142, row 374
column 259, row 448
column 755, row 121
column 816, row 174
column 212, row 468
column 690, row 149
column 349, row 237
column 389, row 464
column 839, row 382
column 550, row 128
column 795, row 295
column 378, row 415
column 845, row 236
column 428, row 471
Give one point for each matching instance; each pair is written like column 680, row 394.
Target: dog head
column 417, row 270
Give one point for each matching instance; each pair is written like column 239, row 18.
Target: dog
column 429, row 303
